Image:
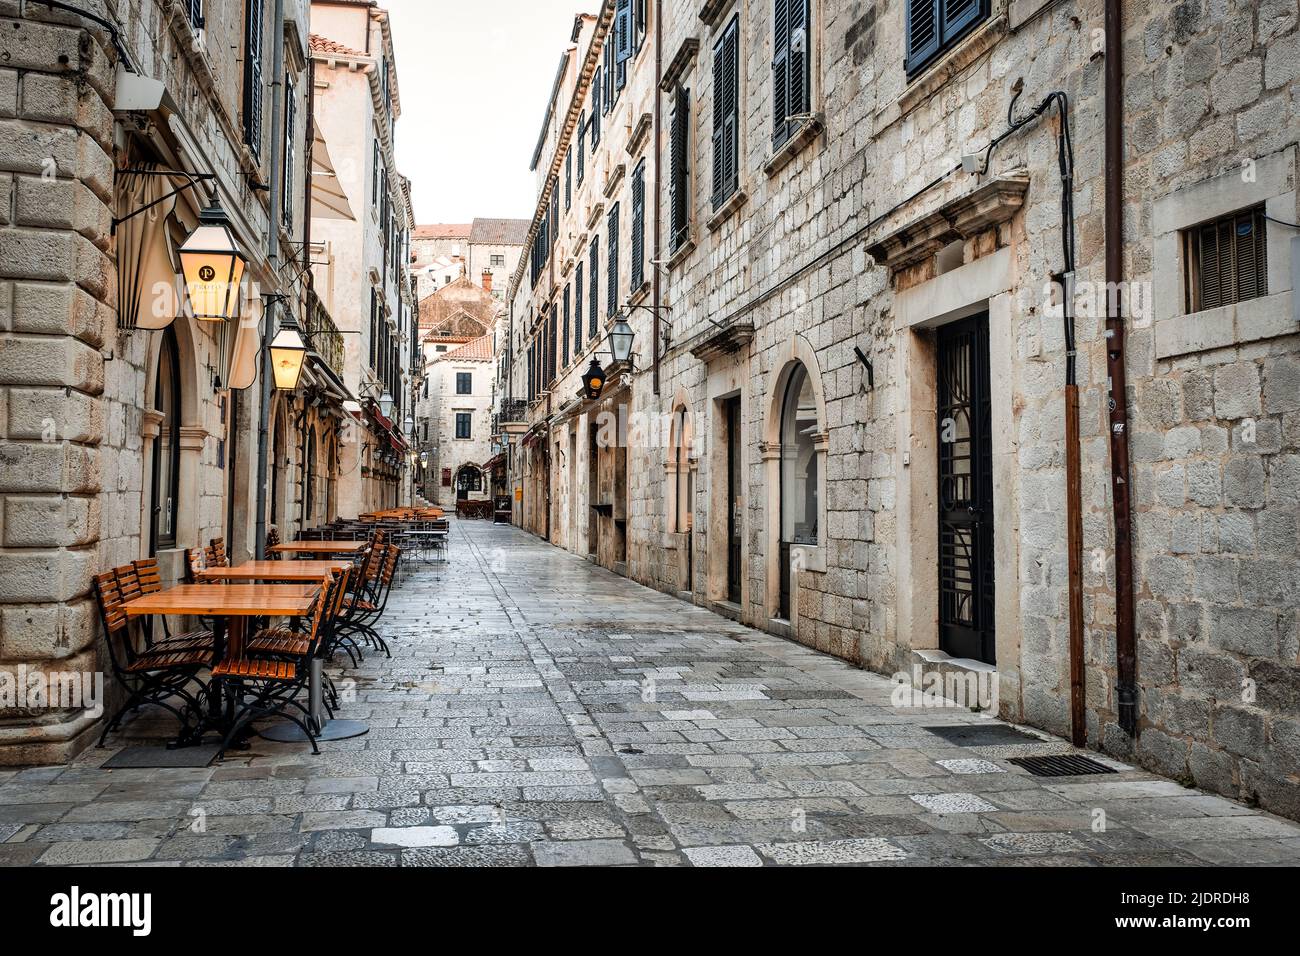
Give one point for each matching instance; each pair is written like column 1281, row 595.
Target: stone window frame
column 1269, row 181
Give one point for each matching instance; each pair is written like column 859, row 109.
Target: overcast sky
column 474, row 77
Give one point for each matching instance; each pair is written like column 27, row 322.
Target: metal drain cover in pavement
column 974, row 735
column 1060, row 765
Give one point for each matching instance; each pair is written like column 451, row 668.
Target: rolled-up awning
column 328, row 200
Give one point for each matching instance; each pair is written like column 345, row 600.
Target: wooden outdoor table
column 276, row 571
column 235, row 602
column 321, row 547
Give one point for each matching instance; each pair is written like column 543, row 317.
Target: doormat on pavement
column 161, row 758
column 973, row 735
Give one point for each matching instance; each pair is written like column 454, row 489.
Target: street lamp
column 213, row 267
column 620, row 340
column 386, row 403
column 593, row 381
column 287, row 354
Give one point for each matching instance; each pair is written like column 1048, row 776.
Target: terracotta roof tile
column 322, row 44
column 443, row 230
column 475, row 350
column 500, row 232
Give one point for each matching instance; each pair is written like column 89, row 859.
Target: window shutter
column 608, row 74
column 678, row 197
column 568, row 180
column 577, row 309
column 958, row 15
column 253, row 77
column 719, row 122
column 800, row 57
column 593, row 274
column 582, row 147
column 730, row 133
column 780, row 69
column 597, row 108
column 923, row 19
column 290, row 139
column 611, row 289
column 565, row 336
column 550, row 359
column 638, row 226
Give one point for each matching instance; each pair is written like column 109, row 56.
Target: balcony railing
column 323, row 335
column 514, row 410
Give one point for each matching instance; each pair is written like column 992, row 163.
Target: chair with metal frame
column 143, row 577
column 370, row 598
column 152, row 676
column 283, row 642
column 273, row 683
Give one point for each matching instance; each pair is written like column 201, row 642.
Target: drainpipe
column 273, row 257
column 659, row 50
column 1125, row 641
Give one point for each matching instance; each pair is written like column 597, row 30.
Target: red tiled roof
column 322, row 44
column 443, row 230
column 475, row 350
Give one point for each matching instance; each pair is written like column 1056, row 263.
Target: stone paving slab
column 539, row 710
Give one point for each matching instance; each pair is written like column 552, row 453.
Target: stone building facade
column 130, row 427
column 452, row 422
column 362, row 265
column 851, row 427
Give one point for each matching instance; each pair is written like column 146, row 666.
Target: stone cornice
column 986, row 206
column 680, row 63
column 718, row 342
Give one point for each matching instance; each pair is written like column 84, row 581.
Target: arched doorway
column 164, row 506
column 798, row 479
column 468, row 479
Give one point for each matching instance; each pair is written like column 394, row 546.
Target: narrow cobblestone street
column 538, row 709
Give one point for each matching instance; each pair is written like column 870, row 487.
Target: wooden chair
column 272, row 540
column 149, row 677
column 370, row 598
column 150, row 582
column 195, row 561
column 286, row 643
column 265, row 686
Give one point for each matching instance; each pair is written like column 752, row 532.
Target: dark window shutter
column 958, row 15
column 577, row 309
column 780, row 69
column 608, row 74
column 568, row 181
column 638, row 226
column 597, row 107
column 611, row 256
column 593, row 275
column 290, row 157
column 565, row 335
column 800, row 57
column 731, row 112
column 253, row 77
column 719, row 123
column 582, row 147
column 678, row 195
column 923, row 38
column 622, row 40
column 551, row 348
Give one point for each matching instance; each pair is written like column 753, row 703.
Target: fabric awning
column 328, row 200
column 147, row 286
column 494, row 461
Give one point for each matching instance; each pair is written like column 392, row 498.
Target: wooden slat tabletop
column 228, row 600
column 320, row 547
column 275, row 571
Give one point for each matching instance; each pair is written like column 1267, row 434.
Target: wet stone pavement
column 540, row 710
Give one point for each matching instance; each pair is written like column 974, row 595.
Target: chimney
column 487, row 280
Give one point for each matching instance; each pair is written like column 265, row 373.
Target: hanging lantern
column 620, row 340
column 386, row 404
column 287, row 354
column 213, row 267
column 593, row 382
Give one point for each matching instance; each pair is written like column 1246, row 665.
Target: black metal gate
column 733, row 499
column 965, row 491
